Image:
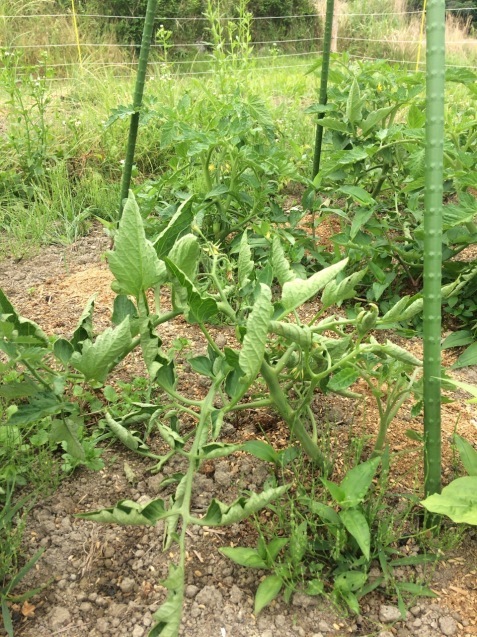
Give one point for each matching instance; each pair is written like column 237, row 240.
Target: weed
column 11, row 573
column 341, row 541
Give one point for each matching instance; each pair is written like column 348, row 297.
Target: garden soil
column 105, row 580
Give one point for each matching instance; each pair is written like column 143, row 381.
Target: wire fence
column 201, row 58
column 225, row 18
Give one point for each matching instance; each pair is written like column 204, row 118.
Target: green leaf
column 467, row 453
column 357, row 526
column 413, row 560
column 394, row 351
column 178, row 225
column 457, row 339
column 300, row 334
column 354, row 103
column 185, row 254
column 201, row 308
column 416, row 589
column 392, row 315
column 66, row 430
column 219, row 449
column 346, row 157
column 350, row 581
column 245, row 262
column 220, row 189
column 357, row 481
column 39, row 407
column 261, row 450
column 122, row 308
column 298, row 543
column 375, row 117
column 151, row 347
column 168, row 615
column 128, row 512
column 358, row 194
column 333, row 124
column 166, row 376
column 360, row 219
column 202, row 365
column 315, row 587
column 275, row 546
column 220, row 514
column 7, row 617
column 335, row 293
column 25, row 328
column 25, row 569
column 319, row 108
column 352, row 601
column 97, row 359
column 362, row 197
column 297, row 292
column 244, row 557
column 414, row 435
column 335, row 490
column 416, row 117
column 253, row 347
column 128, row 439
column 282, row 271
column 171, row 437
column 325, row 512
column 120, row 112
column 343, row 379
column 471, row 389
column 134, row 262
column 267, row 591
column 467, row 358
column 63, row 350
column 84, row 329
column 458, row 501
column 20, row 389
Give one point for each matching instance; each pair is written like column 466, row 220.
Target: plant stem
column 325, row 65
column 280, row 402
column 433, row 192
column 137, row 100
column 256, row 404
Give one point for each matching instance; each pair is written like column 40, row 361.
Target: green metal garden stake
column 435, row 83
column 137, row 100
column 330, row 4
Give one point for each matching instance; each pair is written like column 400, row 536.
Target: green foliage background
column 129, row 31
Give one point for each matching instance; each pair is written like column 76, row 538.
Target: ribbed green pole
column 137, row 100
column 435, row 83
column 330, row 5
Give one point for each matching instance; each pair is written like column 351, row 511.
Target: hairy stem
column 283, row 407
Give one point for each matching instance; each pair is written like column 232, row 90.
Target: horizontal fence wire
column 227, row 18
column 174, row 63
column 173, row 66
column 204, row 44
column 196, row 45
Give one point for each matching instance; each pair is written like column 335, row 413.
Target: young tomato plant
column 277, row 361
column 223, row 152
